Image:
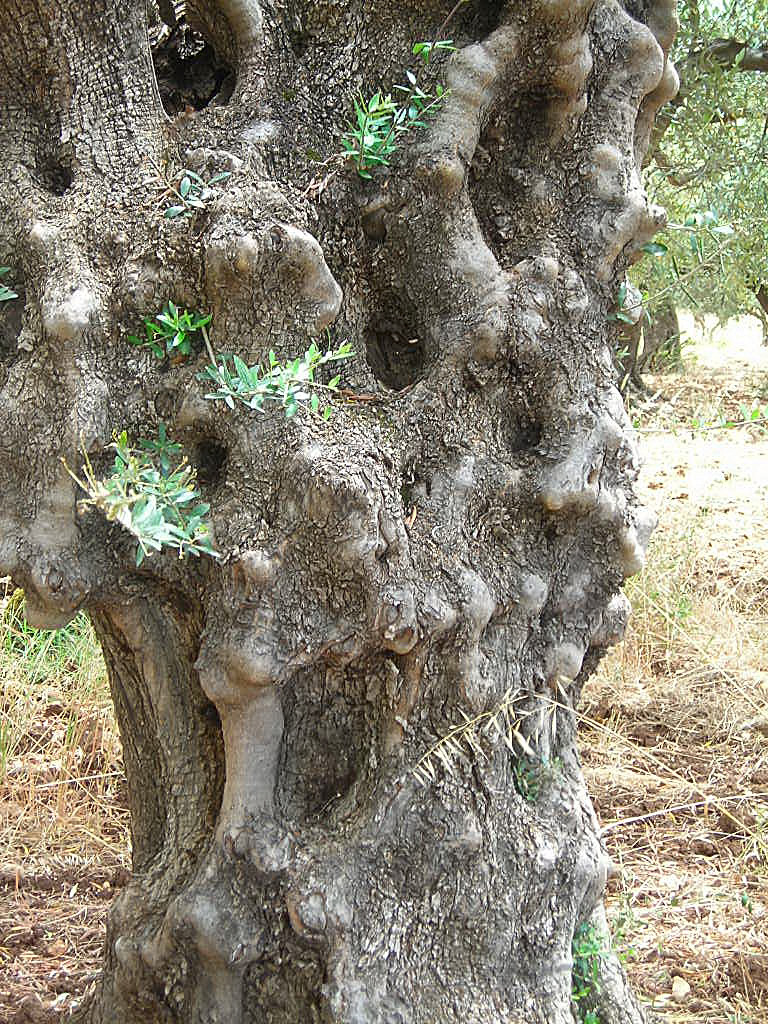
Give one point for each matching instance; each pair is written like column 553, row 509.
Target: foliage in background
column 152, row 492
column 708, row 166
column 32, row 660
column 43, row 654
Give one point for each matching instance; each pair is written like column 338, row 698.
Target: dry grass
column 677, row 755
column 675, row 737
column 63, row 823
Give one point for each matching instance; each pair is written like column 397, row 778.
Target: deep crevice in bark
column 190, row 74
column 482, row 21
column 209, row 456
column 396, row 361
column 394, row 350
column 331, row 737
column 55, row 171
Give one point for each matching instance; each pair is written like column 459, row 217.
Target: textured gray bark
column 455, row 547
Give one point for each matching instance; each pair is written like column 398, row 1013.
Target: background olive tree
column 708, row 166
column 346, row 656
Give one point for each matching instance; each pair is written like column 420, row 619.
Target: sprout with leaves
column 193, row 192
column 426, row 49
column 170, row 333
column 380, row 123
column 291, row 384
column 152, row 492
column 590, row 948
column 6, row 293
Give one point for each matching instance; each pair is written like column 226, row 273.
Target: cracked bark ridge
column 455, row 546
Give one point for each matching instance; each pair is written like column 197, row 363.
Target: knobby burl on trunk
column 452, row 550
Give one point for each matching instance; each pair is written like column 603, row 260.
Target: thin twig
column 706, row 802
column 79, row 779
column 206, row 339
column 445, row 24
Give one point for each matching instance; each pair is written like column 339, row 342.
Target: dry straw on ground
column 63, row 823
column 676, row 749
column 674, row 738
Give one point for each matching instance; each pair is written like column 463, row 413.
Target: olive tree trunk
column 350, row 741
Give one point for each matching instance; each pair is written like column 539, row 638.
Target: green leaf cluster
column 170, row 333
column 380, row 122
column 291, row 384
column 193, row 192
column 590, row 947
column 152, row 492
column 6, row 293
column 750, row 416
column 709, row 168
column 426, row 49
column 530, row 777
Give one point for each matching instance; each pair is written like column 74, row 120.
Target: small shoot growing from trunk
column 169, row 335
column 372, row 137
column 6, row 293
column 182, row 191
column 590, row 947
column 379, row 123
column 292, row 384
column 152, row 492
column 192, row 192
column 531, row 777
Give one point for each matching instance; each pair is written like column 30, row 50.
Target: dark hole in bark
column 393, row 349
column 526, row 409
column 299, row 42
column 414, row 486
column 165, row 403
column 395, row 362
column 189, row 73
column 499, row 186
column 487, row 18
column 515, row 138
column 54, row 172
column 329, row 742
column 210, row 457
column 374, row 226
column 526, row 436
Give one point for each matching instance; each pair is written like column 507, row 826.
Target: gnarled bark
column 307, row 844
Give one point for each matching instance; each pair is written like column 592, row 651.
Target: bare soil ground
column 64, row 842
column 674, row 737
column 675, row 730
